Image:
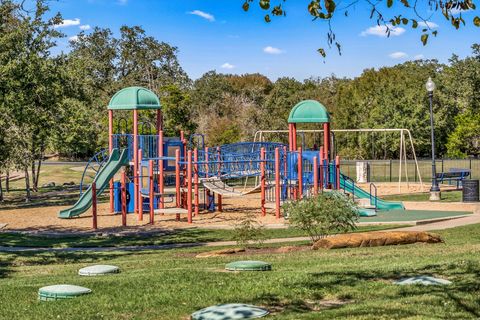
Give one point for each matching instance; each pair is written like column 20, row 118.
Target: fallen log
column 376, row 239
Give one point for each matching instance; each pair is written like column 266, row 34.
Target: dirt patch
column 44, row 219
column 219, row 253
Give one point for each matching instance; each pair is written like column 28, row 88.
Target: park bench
column 453, row 174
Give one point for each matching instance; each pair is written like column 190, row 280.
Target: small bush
column 248, row 232
column 327, row 213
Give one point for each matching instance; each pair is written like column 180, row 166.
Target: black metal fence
column 388, row 170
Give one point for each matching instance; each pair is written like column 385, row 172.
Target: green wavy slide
column 102, row 179
column 360, row 193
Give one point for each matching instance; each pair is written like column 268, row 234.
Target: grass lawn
column 447, row 196
column 173, row 284
column 411, row 215
column 191, row 235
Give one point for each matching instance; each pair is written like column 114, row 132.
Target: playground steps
column 171, row 211
column 364, row 203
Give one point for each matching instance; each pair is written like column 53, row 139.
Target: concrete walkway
column 445, row 224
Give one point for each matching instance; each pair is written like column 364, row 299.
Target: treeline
column 56, row 103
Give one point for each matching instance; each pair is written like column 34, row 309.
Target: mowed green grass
column 172, row 284
column 446, row 196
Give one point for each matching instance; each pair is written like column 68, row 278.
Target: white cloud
column 398, row 55
column 68, row 23
column 227, row 65
column 122, row 2
column 73, row 38
column 272, row 50
column 419, row 57
column 381, row 31
column 85, row 27
column 203, row 15
column 428, row 24
column 458, row 11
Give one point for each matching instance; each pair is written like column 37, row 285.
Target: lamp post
column 434, row 190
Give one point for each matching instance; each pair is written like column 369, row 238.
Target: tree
column 33, row 92
column 465, row 139
column 387, row 13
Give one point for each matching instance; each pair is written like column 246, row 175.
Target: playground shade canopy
column 134, row 98
column 309, row 111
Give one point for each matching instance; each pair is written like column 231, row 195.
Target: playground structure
column 404, row 135
column 176, row 176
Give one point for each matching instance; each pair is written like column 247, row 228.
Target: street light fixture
column 435, row 189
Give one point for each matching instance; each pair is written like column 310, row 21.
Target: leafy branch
column 326, row 10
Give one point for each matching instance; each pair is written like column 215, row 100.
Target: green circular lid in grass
column 248, row 266
column 61, row 291
column 98, row 270
column 230, row 311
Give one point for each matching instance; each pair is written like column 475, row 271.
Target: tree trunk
column 38, row 172
column 7, row 182
column 27, row 185
column 1, row 189
column 34, row 176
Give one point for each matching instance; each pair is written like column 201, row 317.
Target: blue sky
column 219, row 35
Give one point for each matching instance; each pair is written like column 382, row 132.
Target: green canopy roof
column 134, row 98
column 309, row 111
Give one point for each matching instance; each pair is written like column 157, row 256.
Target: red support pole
column 195, row 180
column 290, row 134
column 337, row 165
column 124, row 198
column 110, row 148
column 161, row 183
column 315, row 175
column 219, row 202
column 262, row 180
column 140, row 185
column 189, row 185
column 326, row 140
column 94, row 205
column 300, row 174
column 277, row 183
column 294, row 136
column 135, row 160
column 150, row 193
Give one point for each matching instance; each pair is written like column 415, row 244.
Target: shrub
column 327, row 213
column 248, row 232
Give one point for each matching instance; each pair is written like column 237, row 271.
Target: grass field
column 173, row 284
column 447, row 196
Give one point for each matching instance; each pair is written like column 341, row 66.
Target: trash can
column 470, row 191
